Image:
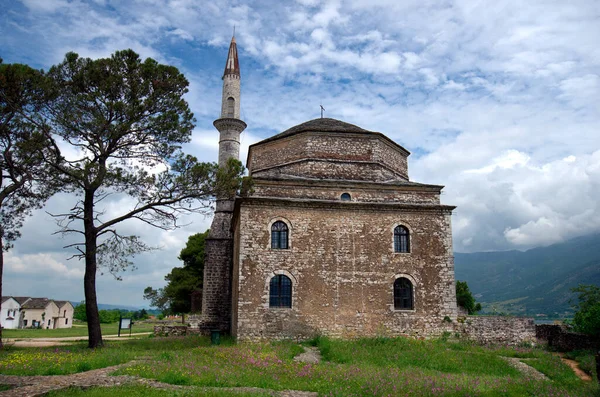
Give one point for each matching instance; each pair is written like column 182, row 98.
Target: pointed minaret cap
column 233, row 65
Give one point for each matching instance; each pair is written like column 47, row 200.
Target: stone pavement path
column 525, row 369
column 311, row 355
column 31, row 386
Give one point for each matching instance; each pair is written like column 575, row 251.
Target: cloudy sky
column 497, row 100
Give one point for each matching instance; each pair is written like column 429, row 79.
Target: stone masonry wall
column 231, row 89
column 342, row 266
column 559, row 338
column 392, row 194
column 346, row 147
column 504, row 330
column 216, row 297
column 358, row 171
column 170, row 330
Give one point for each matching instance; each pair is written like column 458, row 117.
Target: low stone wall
column 170, row 330
column 481, row 329
column 503, row 330
column 559, row 338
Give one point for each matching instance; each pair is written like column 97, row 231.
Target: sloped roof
column 5, row 298
column 36, row 303
column 21, row 299
column 322, row 124
column 62, row 303
column 327, row 125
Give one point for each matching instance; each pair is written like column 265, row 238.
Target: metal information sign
column 125, row 323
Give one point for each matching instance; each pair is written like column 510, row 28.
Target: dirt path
column 575, row 367
column 44, row 342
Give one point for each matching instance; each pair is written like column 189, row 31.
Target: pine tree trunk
column 89, row 279
column 1, row 278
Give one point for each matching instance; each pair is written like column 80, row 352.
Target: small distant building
column 65, row 315
column 10, row 312
column 38, row 313
column 27, row 312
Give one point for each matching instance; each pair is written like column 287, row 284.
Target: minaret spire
column 232, row 66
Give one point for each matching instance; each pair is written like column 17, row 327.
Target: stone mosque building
column 335, row 239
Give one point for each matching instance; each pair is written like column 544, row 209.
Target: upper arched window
column 230, row 107
column 403, row 294
column 401, row 239
column 346, row 197
column 279, row 235
column 280, row 291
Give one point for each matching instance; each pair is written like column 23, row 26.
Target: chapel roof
column 325, row 124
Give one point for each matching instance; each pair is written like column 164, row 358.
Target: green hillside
column 537, row 281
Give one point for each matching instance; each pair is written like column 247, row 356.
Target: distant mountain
column 537, row 281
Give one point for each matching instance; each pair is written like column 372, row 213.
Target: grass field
column 146, row 391
column 79, row 329
column 364, row 367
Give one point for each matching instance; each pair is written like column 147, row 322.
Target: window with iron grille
column 279, row 235
column 401, row 239
column 280, row 291
column 403, row 294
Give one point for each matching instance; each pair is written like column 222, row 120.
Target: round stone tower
column 216, row 294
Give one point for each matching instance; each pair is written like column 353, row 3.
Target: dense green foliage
column 176, row 296
column 24, row 182
column 587, row 310
column 535, row 281
column 109, row 316
column 465, row 299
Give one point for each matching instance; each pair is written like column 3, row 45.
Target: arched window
column 345, row 197
column 230, row 107
column 280, row 291
column 403, row 294
column 279, row 235
column 401, row 239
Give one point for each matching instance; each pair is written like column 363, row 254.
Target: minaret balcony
column 229, row 124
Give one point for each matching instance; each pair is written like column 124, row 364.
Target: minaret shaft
column 218, row 265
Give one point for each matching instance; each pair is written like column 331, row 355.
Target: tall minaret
column 216, row 294
column 229, row 124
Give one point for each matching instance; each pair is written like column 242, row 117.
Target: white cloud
column 181, row 34
column 40, row 264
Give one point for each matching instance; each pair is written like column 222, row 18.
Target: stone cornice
column 337, row 184
column 337, row 204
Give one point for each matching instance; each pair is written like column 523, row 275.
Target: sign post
column 125, row 323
